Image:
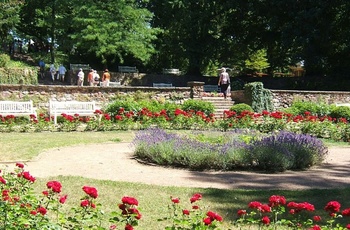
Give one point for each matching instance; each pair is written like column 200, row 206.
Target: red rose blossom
column 45, row 193
column 214, row 216
column 33, row 212
column 41, row 210
column 129, row 227
column 134, row 211
column 241, row 212
column 186, row 212
column 20, row 165
column 54, row 185
column 175, row 200
column 207, row 221
column 130, row 200
column 317, row 218
column 196, row 197
column 265, row 220
column 276, row 200
column 91, row 191
column 2, row 180
column 332, row 206
column 316, row 227
column 346, row 212
column 255, row 205
column 63, row 199
column 27, row 176
column 84, row 203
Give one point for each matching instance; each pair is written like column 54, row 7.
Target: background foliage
column 196, row 37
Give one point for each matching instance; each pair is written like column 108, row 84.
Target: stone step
column 220, row 105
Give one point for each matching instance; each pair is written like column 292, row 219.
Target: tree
column 112, row 30
column 257, row 61
column 9, row 18
column 192, row 32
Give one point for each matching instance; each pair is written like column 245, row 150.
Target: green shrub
column 128, row 105
column 4, row 60
column 341, row 112
column 259, row 98
column 239, row 108
column 315, row 108
column 198, row 105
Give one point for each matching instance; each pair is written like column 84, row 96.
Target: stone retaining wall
column 284, row 98
column 41, row 94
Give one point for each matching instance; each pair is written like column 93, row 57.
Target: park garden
column 188, row 136
column 304, row 41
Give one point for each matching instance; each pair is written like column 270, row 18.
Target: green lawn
column 26, row 146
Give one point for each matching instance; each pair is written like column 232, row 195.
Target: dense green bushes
column 259, row 98
column 340, row 111
column 239, row 108
column 16, row 73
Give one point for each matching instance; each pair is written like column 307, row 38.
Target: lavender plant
column 286, row 150
column 233, row 150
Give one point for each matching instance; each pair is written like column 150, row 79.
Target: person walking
column 61, row 72
column 96, row 78
column 42, row 69
column 106, row 78
column 224, row 82
column 53, row 72
column 80, row 77
column 90, row 79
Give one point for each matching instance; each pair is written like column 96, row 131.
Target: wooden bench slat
column 211, row 88
column 127, row 69
column 57, row 108
column 17, row 108
column 172, row 71
column 75, row 67
column 160, row 85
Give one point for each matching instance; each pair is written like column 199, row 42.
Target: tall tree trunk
column 53, row 24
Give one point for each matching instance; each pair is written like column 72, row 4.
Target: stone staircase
column 220, row 104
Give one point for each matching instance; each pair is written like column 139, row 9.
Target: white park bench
column 17, row 108
column 172, row 71
column 161, row 85
column 76, row 67
column 115, row 83
column 127, row 69
column 343, row 104
column 211, row 88
column 111, row 83
column 57, row 108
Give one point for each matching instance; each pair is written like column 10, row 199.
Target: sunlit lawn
column 153, row 200
column 26, row 146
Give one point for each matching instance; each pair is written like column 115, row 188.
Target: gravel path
column 112, row 161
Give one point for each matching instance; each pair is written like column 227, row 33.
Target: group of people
column 60, row 73
column 94, row 78
column 56, row 74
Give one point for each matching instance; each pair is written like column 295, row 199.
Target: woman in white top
column 224, row 81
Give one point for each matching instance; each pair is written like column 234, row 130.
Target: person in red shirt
column 106, row 77
column 91, row 77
